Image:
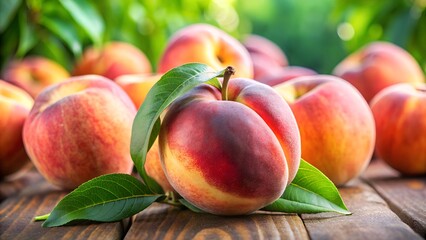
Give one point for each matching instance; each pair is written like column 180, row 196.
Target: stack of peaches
column 74, row 128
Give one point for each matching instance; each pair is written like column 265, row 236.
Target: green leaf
column 27, row 35
column 190, row 206
column 310, row 192
column 173, row 84
column 87, row 17
column 215, row 83
column 65, row 30
column 7, row 11
column 51, row 47
column 107, row 198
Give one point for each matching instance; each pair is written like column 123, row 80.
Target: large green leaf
column 146, row 125
column 27, row 38
column 87, row 17
column 7, row 11
column 65, row 30
column 106, row 198
column 53, row 48
column 310, row 192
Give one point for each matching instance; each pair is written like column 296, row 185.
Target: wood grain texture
column 166, row 222
column 381, row 201
column 406, row 196
column 17, row 213
column 371, row 218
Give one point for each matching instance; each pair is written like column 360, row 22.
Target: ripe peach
column 154, row 169
column 379, row 65
column 206, row 44
column 35, row 73
column 265, row 54
column 137, row 86
column 230, row 157
column 400, row 112
column 79, row 129
column 113, row 60
column 335, row 122
column 284, row 74
column 15, row 105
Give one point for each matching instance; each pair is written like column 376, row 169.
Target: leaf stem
column 42, row 217
column 171, row 199
column 226, row 76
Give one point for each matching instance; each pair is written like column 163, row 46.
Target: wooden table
column 384, row 206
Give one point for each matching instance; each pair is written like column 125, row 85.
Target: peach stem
column 226, row 76
column 171, row 199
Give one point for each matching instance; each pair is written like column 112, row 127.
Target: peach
column 15, row 105
column 265, row 54
column 400, row 113
column 137, row 86
column 113, row 60
column 206, row 44
column 35, row 73
column 79, row 129
column 284, row 74
column 379, row 65
column 336, row 125
column 154, row 168
column 234, row 156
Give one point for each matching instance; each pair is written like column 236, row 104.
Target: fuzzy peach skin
column 379, row 65
column 400, row 113
column 230, row 157
column 206, row 44
column 284, row 74
column 137, row 86
column 113, row 60
column 15, row 105
column 80, row 129
column 154, row 168
column 34, row 73
column 265, row 54
column 335, row 122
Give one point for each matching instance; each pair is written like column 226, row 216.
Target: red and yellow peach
column 15, row 105
column 266, row 56
column 113, row 60
column 206, row 44
column 80, row 129
column 336, row 125
column 379, row 65
column 232, row 156
column 137, row 86
column 400, row 113
column 284, row 74
column 35, row 73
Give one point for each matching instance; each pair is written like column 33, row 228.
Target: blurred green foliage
column 314, row 34
column 319, row 34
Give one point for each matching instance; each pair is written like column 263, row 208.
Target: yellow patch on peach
column 192, row 182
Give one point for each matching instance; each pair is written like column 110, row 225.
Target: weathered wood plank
column 17, row 213
column 371, row 218
column 406, row 196
column 166, row 222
